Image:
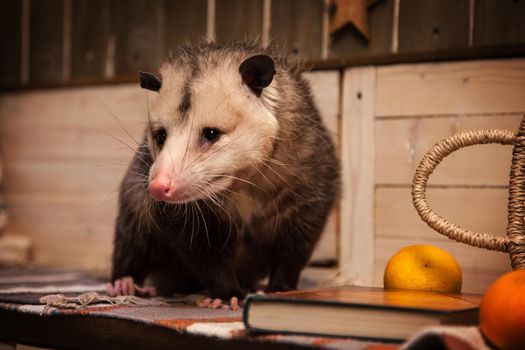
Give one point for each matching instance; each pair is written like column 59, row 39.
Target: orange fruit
column 502, row 311
column 423, row 267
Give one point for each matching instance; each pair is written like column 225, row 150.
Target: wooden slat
column 74, row 144
column 69, row 176
column 91, row 108
column 90, row 34
column 357, row 158
column 402, row 143
column 238, row 19
column 184, row 21
column 490, row 86
column 433, row 24
column 499, row 22
column 83, row 128
column 326, row 248
column 349, row 43
column 47, row 31
column 480, row 210
column 11, row 42
column 73, row 245
column 62, row 168
column 480, row 267
column 325, row 89
column 73, row 230
column 296, row 27
column 62, row 208
column 138, row 30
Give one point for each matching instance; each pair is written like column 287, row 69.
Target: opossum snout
column 160, row 188
column 165, row 189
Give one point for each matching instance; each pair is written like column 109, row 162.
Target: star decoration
column 354, row 12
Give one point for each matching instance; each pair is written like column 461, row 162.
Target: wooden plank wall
column 65, row 153
column 64, row 42
column 414, row 107
column 61, row 179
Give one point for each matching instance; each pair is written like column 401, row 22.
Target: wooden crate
column 391, row 116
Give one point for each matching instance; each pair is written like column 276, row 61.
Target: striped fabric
column 21, row 290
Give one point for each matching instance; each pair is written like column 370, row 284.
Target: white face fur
column 225, row 130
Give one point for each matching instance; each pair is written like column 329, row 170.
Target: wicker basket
column 514, row 242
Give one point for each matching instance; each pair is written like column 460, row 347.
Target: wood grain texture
column 349, row 43
column 238, row 20
column 480, row 267
column 433, row 24
column 46, row 41
column 11, row 42
column 91, row 29
column 402, row 143
column 481, row 210
column 74, row 176
column 357, row 158
column 184, row 21
column 61, row 186
column 325, row 89
column 499, row 22
column 104, row 105
column 296, row 27
column 138, row 36
column 418, row 105
column 492, row 86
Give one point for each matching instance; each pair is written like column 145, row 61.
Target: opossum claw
column 219, row 303
column 126, row 286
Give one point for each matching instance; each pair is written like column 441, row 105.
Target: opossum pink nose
column 159, row 188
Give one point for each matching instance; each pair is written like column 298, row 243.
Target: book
column 362, row 312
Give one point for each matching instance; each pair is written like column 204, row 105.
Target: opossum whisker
column 266, row 159
column 234, row 178
column 141, row 176
column 230, row 219
column 275, row 204
column 185, row 215
column 151, row 203
column 123, row 127
column 203, row 221
column 130, row 149
column 194, row 217
column 213, row 197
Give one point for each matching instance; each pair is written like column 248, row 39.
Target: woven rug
column 21, row 290
column 171, row 323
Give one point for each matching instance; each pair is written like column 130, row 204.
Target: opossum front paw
column 219, row 303
column 126, row 286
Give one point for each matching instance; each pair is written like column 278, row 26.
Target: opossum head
column 208, row 124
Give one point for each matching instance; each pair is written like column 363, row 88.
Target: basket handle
column 427, row 166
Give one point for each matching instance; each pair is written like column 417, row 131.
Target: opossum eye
column 160, row 136
column 211, row 134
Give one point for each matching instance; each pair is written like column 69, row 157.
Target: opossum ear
column 150, row 81
column 257, row 72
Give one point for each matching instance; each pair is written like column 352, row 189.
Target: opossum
column 233, row 181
